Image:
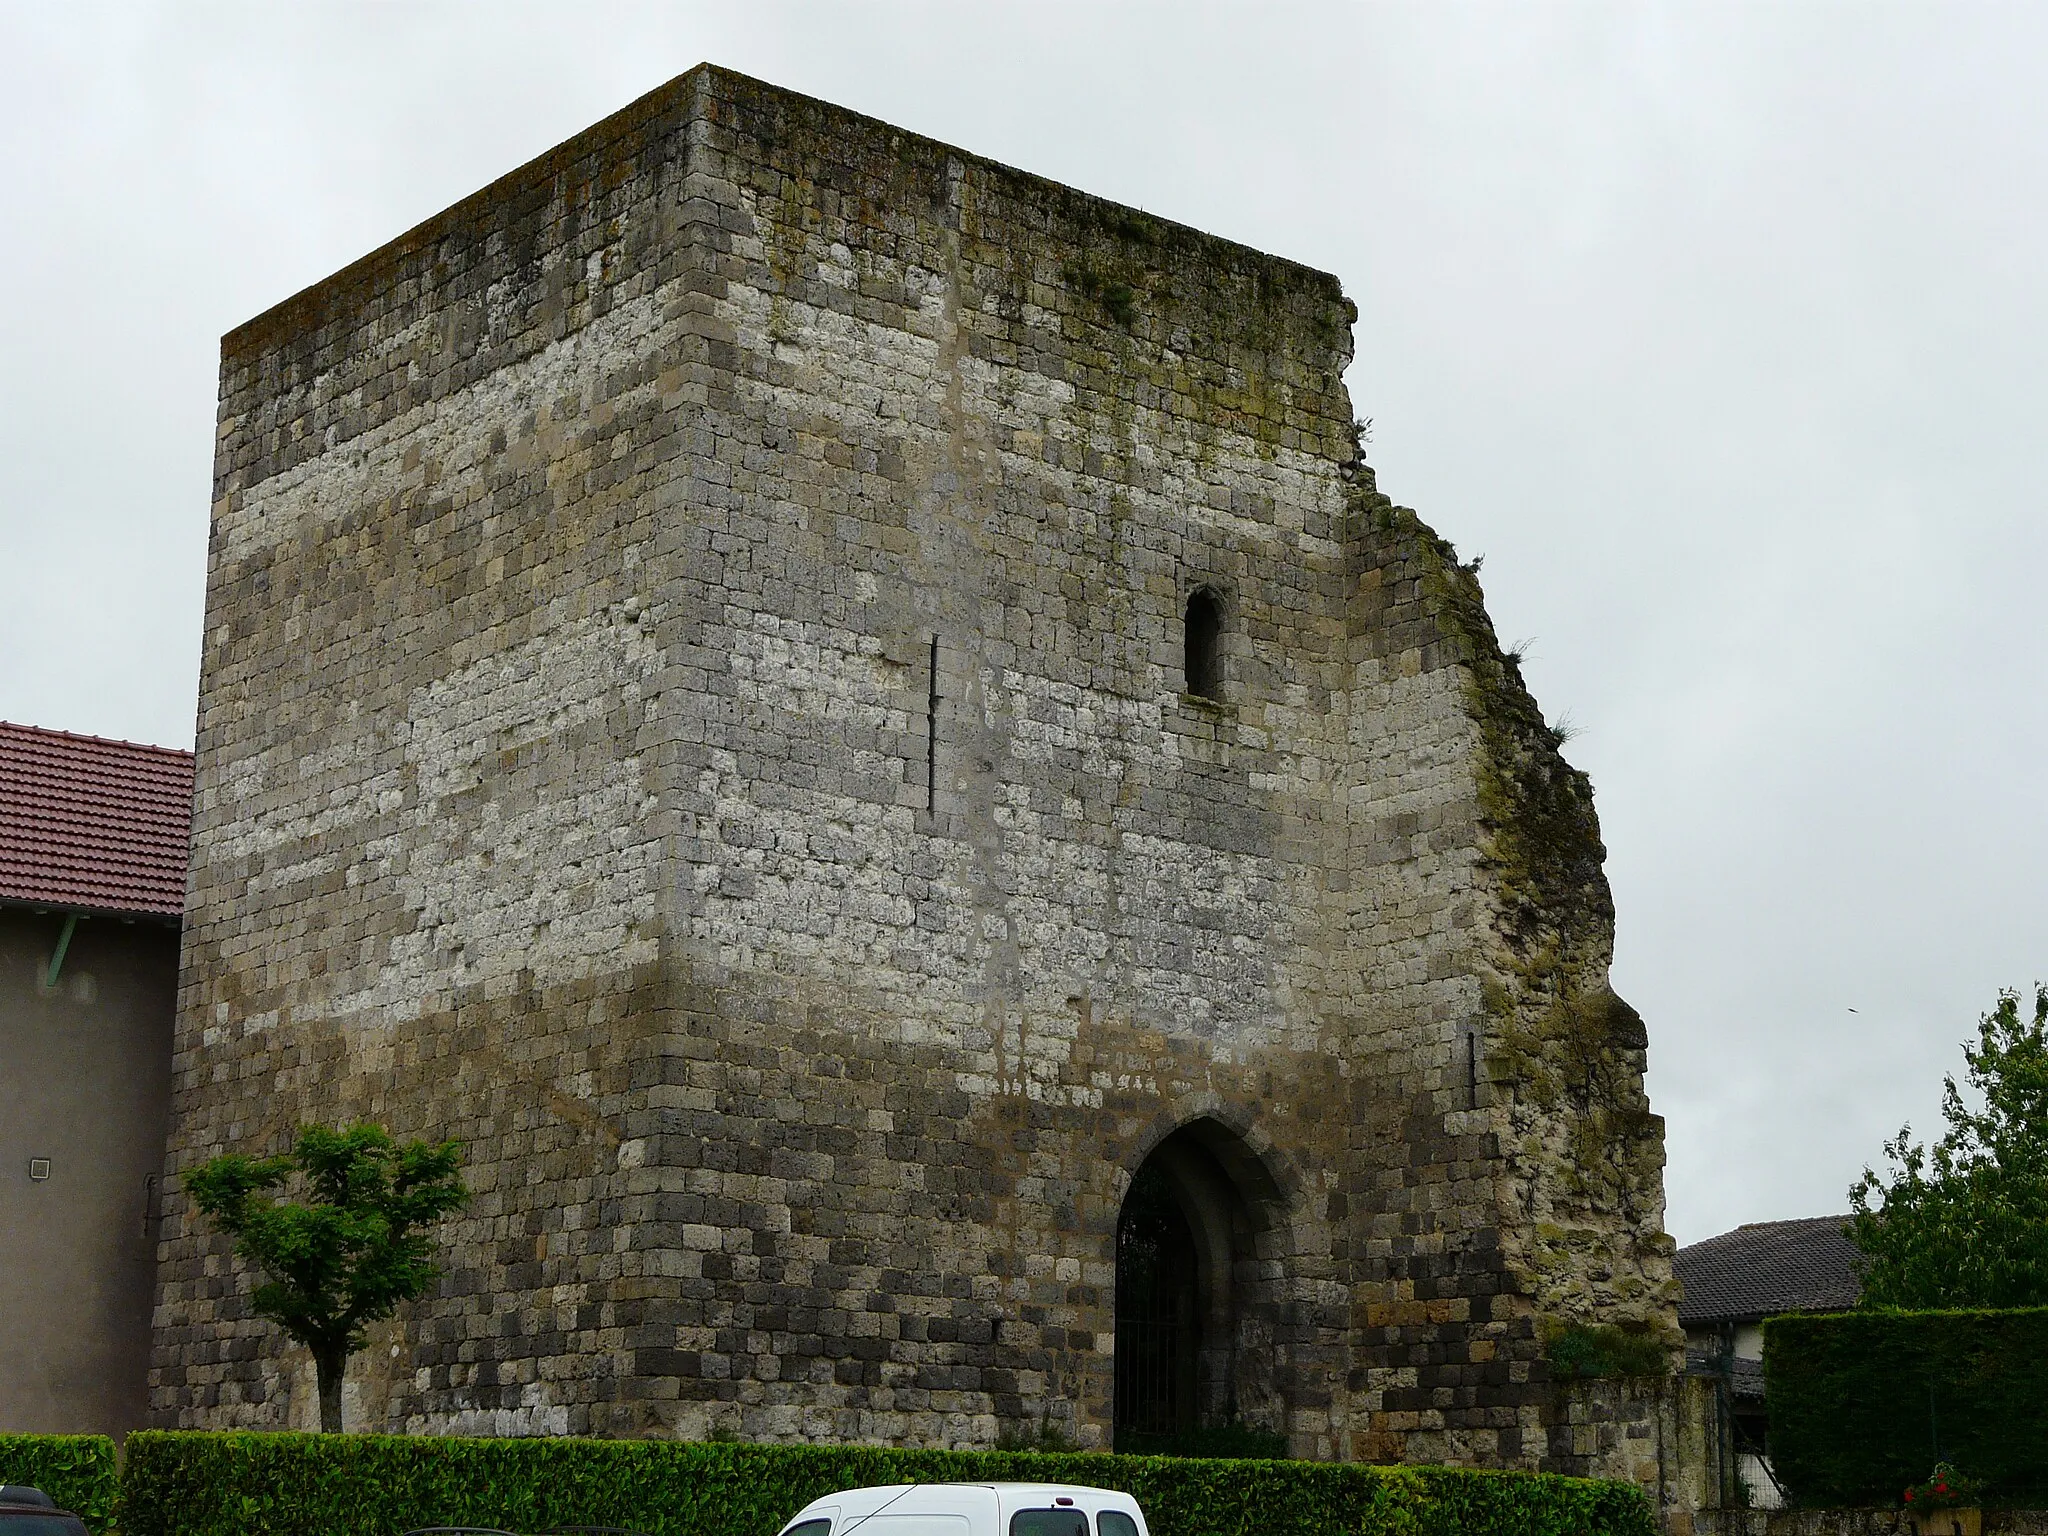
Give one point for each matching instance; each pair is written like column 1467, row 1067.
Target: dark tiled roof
column 1766, row 1268
column 91, row 825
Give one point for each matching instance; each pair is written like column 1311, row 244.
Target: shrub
column 1863, row 1403
column 179, row 1484
column 75, row 1470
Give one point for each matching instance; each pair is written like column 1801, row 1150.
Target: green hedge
column 178, row 1484
column 1858, row 1400
column 75, row 1470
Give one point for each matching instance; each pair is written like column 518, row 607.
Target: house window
column 1204, row 661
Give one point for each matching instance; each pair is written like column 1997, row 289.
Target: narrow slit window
column 1204, row 664
column 931, row 735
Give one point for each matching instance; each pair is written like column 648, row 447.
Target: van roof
column 973, row 1483
column 857, row 1499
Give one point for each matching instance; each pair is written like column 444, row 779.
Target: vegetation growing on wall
column 1564, row 1048
column 1602, row 1351
column 1543, row 836
column 1116, row 296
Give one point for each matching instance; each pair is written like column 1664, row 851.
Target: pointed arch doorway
column 1192, row 1306
column 1158, row 1315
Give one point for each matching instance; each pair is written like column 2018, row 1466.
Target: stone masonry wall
column 692, row 706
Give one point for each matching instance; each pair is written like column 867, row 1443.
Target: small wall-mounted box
column 39, row 1168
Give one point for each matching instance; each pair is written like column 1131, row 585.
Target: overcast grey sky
column 1721, row 332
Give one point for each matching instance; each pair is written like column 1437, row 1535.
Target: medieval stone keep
column 852, row 721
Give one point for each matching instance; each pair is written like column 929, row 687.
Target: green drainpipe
column 57, row 954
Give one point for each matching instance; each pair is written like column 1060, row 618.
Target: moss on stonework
column 1604, row 1351
column 1544, row 838
column 1582, row 1145
column 1567, row 1049
column 1119, row 300
column 1542, row 835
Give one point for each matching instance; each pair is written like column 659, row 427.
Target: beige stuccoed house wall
column 693, row 706
column 84, row 1087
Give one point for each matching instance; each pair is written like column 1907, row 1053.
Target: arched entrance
column 1158, row 1314
column 1193, row 1308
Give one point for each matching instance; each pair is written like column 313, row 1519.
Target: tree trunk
column 328, row 1365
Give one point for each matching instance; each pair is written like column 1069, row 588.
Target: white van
column 971, row 1509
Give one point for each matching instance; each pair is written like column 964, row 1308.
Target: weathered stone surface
column 693, row 707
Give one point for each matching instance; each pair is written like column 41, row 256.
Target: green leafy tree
column 1967, row 1226
column 351, row 1253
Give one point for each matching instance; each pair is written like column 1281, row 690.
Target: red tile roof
column 92, row 825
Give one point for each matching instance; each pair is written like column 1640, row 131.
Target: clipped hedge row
column 75, row 1470
column 1862, row 1402
column 182, row 1484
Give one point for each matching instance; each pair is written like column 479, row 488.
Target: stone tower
column 853, row 723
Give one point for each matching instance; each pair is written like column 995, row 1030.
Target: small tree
column 1968, row 1226
column 349, row 1256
